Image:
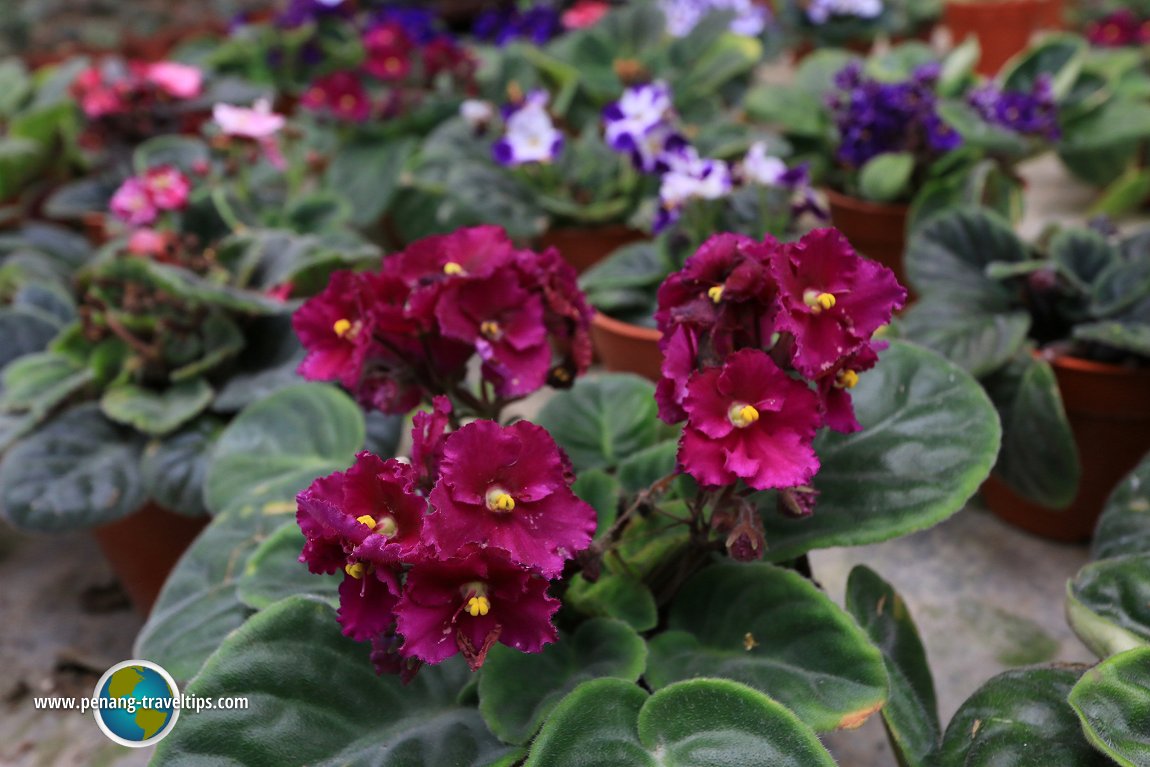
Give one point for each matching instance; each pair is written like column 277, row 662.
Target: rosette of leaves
column 1104, row 134
column 663, row 655
column 991, row 301
column 897, row 19
column 38, row 131
column 979, row 171
column 121, row 385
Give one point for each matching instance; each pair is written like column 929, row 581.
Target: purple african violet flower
column 749, row 420
column 508, row 487
column 833, row 300
column 1031, row 114
column 300, row 12
column 530, row 136
column 689, row 177
column 641, row 124
column 537, row 25
column 468, row 603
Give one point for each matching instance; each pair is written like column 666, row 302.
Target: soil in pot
column 1003, row 27
column 877, row 231
column 144, row 546
column 584, row 247
column 626, row 348
column 1109, row 411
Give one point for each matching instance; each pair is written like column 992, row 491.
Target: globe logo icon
column 138, row 703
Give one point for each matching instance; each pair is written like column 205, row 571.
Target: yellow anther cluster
column 452, row 268
column 847, row 379
column 355, row 570
column 500, row 500
column 342, row 327
column 819, row 302
column 477, row 606
column 716, row 293
column 490, row 329
column 742, row 415
column 366, row 519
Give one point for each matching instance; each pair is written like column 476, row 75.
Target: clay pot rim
column 1083, row 365
column 835, row 197
column 625, row 329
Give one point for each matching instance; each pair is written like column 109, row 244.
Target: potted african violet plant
column 553, row 170
column 156, row 340
column 857, row 24
column 1057, row 332
column 902, row 135
column 579, row 564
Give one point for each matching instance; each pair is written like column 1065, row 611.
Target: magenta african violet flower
column 132, row 204
column 366, row 521
column 749, row 420
column 340, row 94
column 428, row 433
column 167, row 187
column 834, row 389
column 508, row 487
column 387, row 52
column 468, row 603
column 147, row 242
column 833, row 300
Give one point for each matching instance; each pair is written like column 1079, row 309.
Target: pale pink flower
column 178, row 80
column 259, row 122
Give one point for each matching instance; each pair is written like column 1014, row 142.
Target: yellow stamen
column 366, row 519
column 742, row 415
column 452, row 268
column 355, row 570
column 342, row 327
column 847, row 379
column 500, row 500
column 716, row 293
column 819, row 302
column 490, row 330
column 477, row 606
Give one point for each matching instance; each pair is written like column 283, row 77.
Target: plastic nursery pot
column 584, row 247
column 144, row 546
column 626, row 348
column 1108, row 407
column 1003, row 27
column 876, row 230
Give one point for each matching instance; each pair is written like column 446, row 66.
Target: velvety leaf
column 911, row 714
column 24, row 332
column 315, row 699
column 602, row 491
column 518, row 690
column 929, row 438
column 270, row 452
column 949, row 254
column 174, row 467
column 37, row 383
column 1019, row 719
column 977, row 341
column 184, row 152
column 268, row 364
column 773, row 630
column 1124, row 196
column 273, row 572
column 701, row 723
column 886, row 177
column 1039, row 459
column 1124, row 527
column 157, row 412
column 222, row 340
column 1131, row 337
column 1058, row 57
column 1108, row 604
column 1082, row 255
column 614, row 595
column 644, row 468
column 601, row 421
column 368, row 173
column 76, row 471
column 1113, row 702
column 277, row 446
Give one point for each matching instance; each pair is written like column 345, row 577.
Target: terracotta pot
column 585, row 247
column 1003, row 27
column 144, row 546
column 875, row 230
column 1109, row 412
column 626, row 348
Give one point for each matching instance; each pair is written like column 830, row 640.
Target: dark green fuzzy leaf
column 174, row 467
column 273, row 572
column 1108, row 604
column 1113, row 702
column 157, row 412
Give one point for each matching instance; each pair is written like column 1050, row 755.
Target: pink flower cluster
column 762, row 342
column 405, row 333
column 396, row 62
column 453, row 552
column 103, row 92
column 140, row 200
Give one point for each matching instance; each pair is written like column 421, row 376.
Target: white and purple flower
column 761, row 168
column 820, row 11
column 641, row 124
column 690, row 177
column 750, row 19
column 530, row 134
